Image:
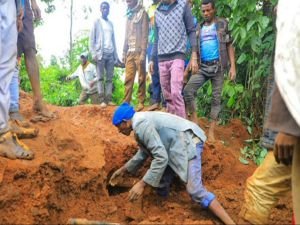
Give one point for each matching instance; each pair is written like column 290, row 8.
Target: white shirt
column 86, row 77
column 287, row 55
column 108, row 33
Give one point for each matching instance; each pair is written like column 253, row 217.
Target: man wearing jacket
column 135, row 49
column 86, row 72
column 175, row 146
column 216, row 53
column 104, row 52
column 173, row 25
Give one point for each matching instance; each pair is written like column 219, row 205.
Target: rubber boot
column 12, row 148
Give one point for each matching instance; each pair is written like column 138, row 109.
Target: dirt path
column 76, row 153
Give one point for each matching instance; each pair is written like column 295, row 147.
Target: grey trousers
column 105, row 66
column 268, row 136
column 84, row 96
column 196, row 81
column 8, row 56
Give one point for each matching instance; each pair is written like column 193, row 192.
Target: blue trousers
column 14, row 92
column 194, row 186
column 156, row 87
column 8, row 57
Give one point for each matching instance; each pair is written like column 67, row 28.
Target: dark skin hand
column 36, row 10
column 119, row 173
column 136, row 191
column 20, row 20
column 284, row 148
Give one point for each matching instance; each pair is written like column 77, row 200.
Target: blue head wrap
column 124, row 112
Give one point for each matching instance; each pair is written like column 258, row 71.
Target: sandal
column 12, row 148
column 22, row 132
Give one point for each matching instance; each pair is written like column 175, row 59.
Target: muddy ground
column 78, row 151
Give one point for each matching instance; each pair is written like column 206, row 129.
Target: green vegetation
column 251, row 24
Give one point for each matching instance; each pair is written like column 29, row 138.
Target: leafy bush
column 55, row 89
column 253, row 151
column 231, row 100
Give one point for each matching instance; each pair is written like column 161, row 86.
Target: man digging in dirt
column 175, row 145
column 10, row 146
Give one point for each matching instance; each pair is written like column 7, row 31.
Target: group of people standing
column 165, row 35
column 175, row 145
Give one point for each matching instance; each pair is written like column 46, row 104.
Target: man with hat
column 86, row 72
column 175, row 146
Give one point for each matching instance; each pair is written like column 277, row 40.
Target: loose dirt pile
column 78, row 151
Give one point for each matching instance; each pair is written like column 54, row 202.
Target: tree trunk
column 71, row 34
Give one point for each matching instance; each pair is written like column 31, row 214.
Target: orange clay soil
column 75, row 154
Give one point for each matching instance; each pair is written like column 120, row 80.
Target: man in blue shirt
column 216, row 53
column 175, row 146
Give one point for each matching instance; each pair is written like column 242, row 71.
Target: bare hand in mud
column 114, row 180
column 284, row 147
column 136, row 191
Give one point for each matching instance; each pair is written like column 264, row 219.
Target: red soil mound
column 76, row 152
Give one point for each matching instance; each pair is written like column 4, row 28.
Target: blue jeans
column 156, row 87
column 14, row 92
column 194, row 186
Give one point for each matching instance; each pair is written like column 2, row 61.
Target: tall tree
column 71, row 33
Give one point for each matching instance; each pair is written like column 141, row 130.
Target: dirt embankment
column 76, row 152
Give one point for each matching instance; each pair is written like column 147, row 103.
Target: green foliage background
column 252, row 28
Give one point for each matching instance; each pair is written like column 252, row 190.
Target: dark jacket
column 224, row 39
column 137, row 28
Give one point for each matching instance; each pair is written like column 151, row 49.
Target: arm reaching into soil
column 131, row 166
column 113, row 181
column 136, row 191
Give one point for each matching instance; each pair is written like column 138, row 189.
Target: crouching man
column 175, row 145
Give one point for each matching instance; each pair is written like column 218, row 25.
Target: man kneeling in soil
column 175, row 145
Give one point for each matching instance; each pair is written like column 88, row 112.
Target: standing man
column 280, row 174
column 135, row 49
column 10, row 146
column 86, row 72
column 173, row 24
column 175, row 146
column 156, row 88
column 26, row 45
column 104, row 52
column 216, row 53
